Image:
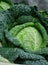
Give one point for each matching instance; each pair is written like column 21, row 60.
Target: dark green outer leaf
column 19, row 10
column 24, row 19
column 28, row 59
column 13, row 53
column 11, row 38
column 5, row 20
column 38, row 62
column 42, row 19
column 43, row 33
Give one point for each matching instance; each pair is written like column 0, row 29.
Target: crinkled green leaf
column 14, row 54
column 36, row 62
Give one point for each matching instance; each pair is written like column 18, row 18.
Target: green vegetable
column 4, row 5
column 42, row 17
column 24, row 27
column 44, row 13
column 17, row 54
column 36, row 62
column 19, row 10
column 29, row 36
column 24, row 19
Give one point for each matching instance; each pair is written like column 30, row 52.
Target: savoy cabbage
column 25, row 40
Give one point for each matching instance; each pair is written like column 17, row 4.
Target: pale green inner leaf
column 4, row 5
column 30, row 39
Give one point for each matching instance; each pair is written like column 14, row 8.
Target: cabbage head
column 30, row 35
